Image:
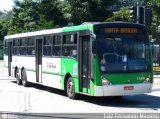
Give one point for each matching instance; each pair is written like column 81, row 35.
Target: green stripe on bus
column 126, row 78
column 77, row 28
column 97, row 75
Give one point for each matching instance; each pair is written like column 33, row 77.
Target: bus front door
column 9, row 58
column 84, row 63
column 39, row 60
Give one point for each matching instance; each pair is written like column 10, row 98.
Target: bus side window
column 69, row 49
column 16, row 50
column 22, row 48
column 56, row 45
column 30, row 46
column 47, row 45
column 14, row 47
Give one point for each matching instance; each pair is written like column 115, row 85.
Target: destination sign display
column 121, row 30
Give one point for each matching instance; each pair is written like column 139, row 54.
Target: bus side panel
column 28, row 63
column 51, row 80
column 51, row 72
column 70, row 65
column 21, row 61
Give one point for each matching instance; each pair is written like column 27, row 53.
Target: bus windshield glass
column 123, row 53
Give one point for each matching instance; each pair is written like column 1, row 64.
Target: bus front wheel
column 70, row 88
column 24, row 78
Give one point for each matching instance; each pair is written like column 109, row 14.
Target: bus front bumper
column 122, row 90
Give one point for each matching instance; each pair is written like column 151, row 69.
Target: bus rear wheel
column 71, row 89
column 17, row 76
column 24, row 78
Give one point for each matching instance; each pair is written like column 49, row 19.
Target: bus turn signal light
column 105, row 81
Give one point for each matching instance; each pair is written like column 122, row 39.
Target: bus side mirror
column 94, row 47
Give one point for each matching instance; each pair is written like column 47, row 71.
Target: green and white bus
column 96, row 59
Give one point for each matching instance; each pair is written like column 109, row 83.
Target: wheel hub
column 70, row 88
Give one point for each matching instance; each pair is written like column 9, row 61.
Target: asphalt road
column 40, row 99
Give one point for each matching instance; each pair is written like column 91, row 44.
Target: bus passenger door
column 9, row 58
column 84, row 63
column 39, row 60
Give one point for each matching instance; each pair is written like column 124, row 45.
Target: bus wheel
column 24, row 78
column 70, row 89
column 18, row 80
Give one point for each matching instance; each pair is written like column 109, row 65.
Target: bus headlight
column 105, row 81
column 147, row 80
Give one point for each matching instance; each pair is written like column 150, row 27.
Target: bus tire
column 70, row 88
column 17, row 76
column 24, row 78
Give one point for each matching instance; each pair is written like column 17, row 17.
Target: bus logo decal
column 50, row 65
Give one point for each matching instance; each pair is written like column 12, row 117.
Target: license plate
column 128, row 87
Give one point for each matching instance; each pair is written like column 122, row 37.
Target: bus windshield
column 123, row 53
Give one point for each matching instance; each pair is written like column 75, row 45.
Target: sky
column 6, row 5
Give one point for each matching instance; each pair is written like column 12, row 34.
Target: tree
column 31, row 15
column 122, row 15
column 81, row 11
column 24, row 17
column 155, row 7
column 52, row 11
column 4, row 23
column 1, row 13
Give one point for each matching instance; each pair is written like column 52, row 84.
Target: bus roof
column 84, row 26
column 36, row 33
column 50, row 31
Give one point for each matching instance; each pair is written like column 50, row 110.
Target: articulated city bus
column 96, row 59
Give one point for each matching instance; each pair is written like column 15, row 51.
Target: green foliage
column 155, row 7
column 81, row 11
column 52, row 11
column 122, row 15
column 24, row 17
column 32, row 15
column 4, row 23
